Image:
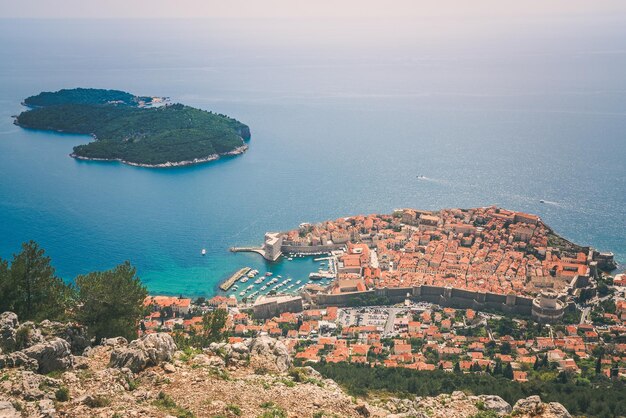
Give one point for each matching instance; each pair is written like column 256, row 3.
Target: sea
column 347, row 117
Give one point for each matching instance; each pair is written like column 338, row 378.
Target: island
column 136, row 130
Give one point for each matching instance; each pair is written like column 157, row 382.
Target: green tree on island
column 110, row 303
column 30, row 288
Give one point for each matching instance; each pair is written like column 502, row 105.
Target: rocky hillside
column 51, row 370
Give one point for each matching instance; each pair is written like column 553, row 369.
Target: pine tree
column 457, row 367
column 508, row 371
column 536, row 365
column 497, row 370
column 30, row 287
column 110, row 303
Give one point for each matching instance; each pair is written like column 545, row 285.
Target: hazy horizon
column 296, row 9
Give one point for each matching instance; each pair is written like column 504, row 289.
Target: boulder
column 114, row 342
column 531, row 405
column 74, row 334
column 7, row 410
column 18, row 359
column 8, row 331
column 51, row 355
column 557, row 410
column 149, row 350
column 46, row 408
column 496, row 404
column 266, row 352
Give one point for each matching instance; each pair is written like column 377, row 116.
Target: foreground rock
column 149, row 378
column 44, row 347
column 149, row 350
column 51, row 355
column 262, row 354
column 459, row 405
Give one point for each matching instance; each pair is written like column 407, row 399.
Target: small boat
column 299, row 281
column 264, row 287
column 269, row 273
column 289, row 258
column 542, row 201
column 245, row 279
column 258, row 281
column 203, row 252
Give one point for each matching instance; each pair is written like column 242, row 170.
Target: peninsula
column 132, row 130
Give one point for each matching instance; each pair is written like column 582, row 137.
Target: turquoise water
column 339, row 127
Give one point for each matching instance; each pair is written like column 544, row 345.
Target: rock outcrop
column 51, row 355
column 149, row 350
column 148, row 377
column 533, row 407
column 261, row 353
column 43, row 347
column 459, row 405
column 8, row 331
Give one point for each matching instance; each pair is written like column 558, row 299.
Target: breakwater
column 232, row 279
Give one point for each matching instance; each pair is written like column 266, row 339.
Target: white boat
column 258, row 281
column 243, row 292
column 264, row 287
column 289, row 258
column 203, row 252
column 269, row 273
column 299, row 281
column 245, row 279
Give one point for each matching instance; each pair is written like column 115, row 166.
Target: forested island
column 130, row 129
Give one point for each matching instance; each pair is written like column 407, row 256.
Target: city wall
column 444, row 296
column 310, row 249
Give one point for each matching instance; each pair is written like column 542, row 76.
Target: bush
column 62, row 394
column 234, row 409
column 97, row 401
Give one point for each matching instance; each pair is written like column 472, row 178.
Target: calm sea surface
column 343, row 122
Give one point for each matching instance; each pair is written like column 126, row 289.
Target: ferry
column 203, row 252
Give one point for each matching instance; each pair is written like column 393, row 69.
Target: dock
column 232, row 279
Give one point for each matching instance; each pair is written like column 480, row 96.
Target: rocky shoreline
column 169, row 164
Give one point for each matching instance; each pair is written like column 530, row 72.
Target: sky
column 305, row 8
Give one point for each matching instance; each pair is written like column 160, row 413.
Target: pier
column 232, row 279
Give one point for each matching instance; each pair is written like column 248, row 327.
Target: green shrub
column 62, row 394
column 234, row 409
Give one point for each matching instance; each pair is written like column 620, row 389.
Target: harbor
column 280, row 278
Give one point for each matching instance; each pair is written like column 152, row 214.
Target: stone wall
column 447, row 297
